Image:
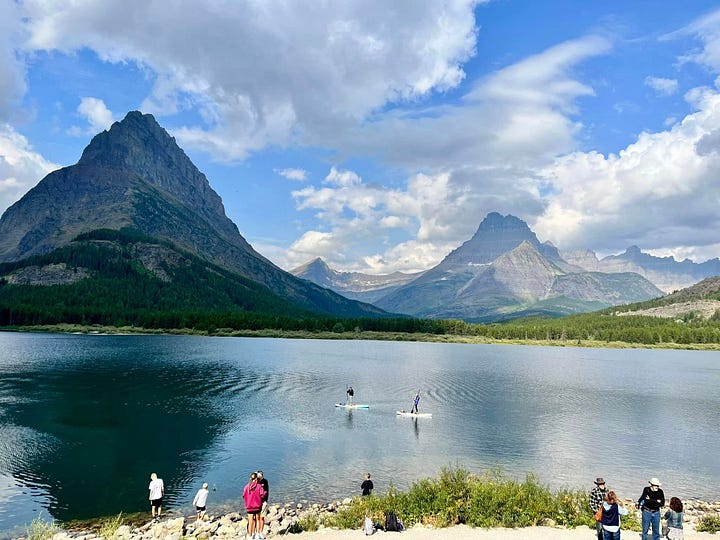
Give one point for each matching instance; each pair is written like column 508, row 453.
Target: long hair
column 611, row 498
column 676, row 504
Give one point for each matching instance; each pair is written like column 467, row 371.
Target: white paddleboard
column 414, row 415
column 352, row 406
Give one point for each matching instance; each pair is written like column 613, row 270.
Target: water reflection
column 98, row 427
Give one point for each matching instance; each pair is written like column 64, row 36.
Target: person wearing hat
column 651, row 501
column 597, row 496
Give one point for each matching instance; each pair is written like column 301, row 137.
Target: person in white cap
column 650, row 502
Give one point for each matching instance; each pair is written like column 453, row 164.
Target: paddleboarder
column 350, row 393
column 415, row 403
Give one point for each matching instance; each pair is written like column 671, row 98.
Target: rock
column 346, row 501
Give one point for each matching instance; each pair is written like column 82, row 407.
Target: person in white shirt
column 200, row 500
column 157, row 491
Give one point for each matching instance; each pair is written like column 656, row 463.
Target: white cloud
column 662, row 86
column 661, row 190
column 293, row 174
column 252, row 81
column 20, row 166
column 98, row 116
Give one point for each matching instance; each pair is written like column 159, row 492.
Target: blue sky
column 377, row 134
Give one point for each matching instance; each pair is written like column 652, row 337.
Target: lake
column 85, row 419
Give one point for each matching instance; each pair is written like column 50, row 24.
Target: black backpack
column 391, row 522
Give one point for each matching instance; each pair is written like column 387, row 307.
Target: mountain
column 355, row 285
column 135, row 176
column 504, row 272
column 665, row 272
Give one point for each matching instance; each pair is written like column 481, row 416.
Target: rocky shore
column 287, row 519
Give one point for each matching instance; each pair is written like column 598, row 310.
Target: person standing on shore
column 350, row 393
column 264, row 508
column 674, row 518
column 157, row 492
column 597, row 497
column 367, row 485
column 611, row 517
column 252, row 495
column 651, row 501
column 200, row 501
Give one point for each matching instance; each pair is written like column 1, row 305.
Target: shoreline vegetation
column 455, row 498
column 370, row 335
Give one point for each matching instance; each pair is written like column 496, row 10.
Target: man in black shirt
column 651, row 501
column 367, row 485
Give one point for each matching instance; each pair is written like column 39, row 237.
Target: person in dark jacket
column 597, row 496
column 650, row 503
column 611, row 517
column 367, row 485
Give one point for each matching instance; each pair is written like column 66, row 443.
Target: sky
column 378, row 134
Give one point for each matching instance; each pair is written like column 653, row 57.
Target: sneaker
column 261, row 536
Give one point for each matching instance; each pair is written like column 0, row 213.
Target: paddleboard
column 414, row 415
column 353, row 406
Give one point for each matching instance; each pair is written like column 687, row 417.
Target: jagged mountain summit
column 355, row 285
column 505, row 272
column 134, row 176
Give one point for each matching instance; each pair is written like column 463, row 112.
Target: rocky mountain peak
column 496, row 235
column 138, row 144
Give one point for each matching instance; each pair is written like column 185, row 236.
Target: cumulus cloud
column 98, row 116
column 272, row 71
column 642, row 195
column 20, row 166
column 662, row 86
column 293, row 174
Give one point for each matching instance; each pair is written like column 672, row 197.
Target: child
column 200, row 500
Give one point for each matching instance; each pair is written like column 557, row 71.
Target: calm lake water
column 84, row 420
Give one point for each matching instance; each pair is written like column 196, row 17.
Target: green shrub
column 709, row 523
column 457, row 496
column 309, row 524
column 40, row 529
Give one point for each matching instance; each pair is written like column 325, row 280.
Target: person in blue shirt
column 415, row 403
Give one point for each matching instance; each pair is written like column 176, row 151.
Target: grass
column 109, row 527
column 487, row 500
column 709, row 524
column 40, row 529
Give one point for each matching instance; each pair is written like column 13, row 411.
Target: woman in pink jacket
column 252, row 495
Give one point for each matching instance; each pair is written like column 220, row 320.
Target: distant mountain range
column 135, row 177
column 665, row 272
column 502, row 272
column 355, row 285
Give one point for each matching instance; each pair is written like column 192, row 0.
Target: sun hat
column 599, row 481
column 655, row 482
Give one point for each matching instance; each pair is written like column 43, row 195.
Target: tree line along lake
column 85, row 419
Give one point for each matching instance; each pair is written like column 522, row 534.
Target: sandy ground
column 461, row 532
